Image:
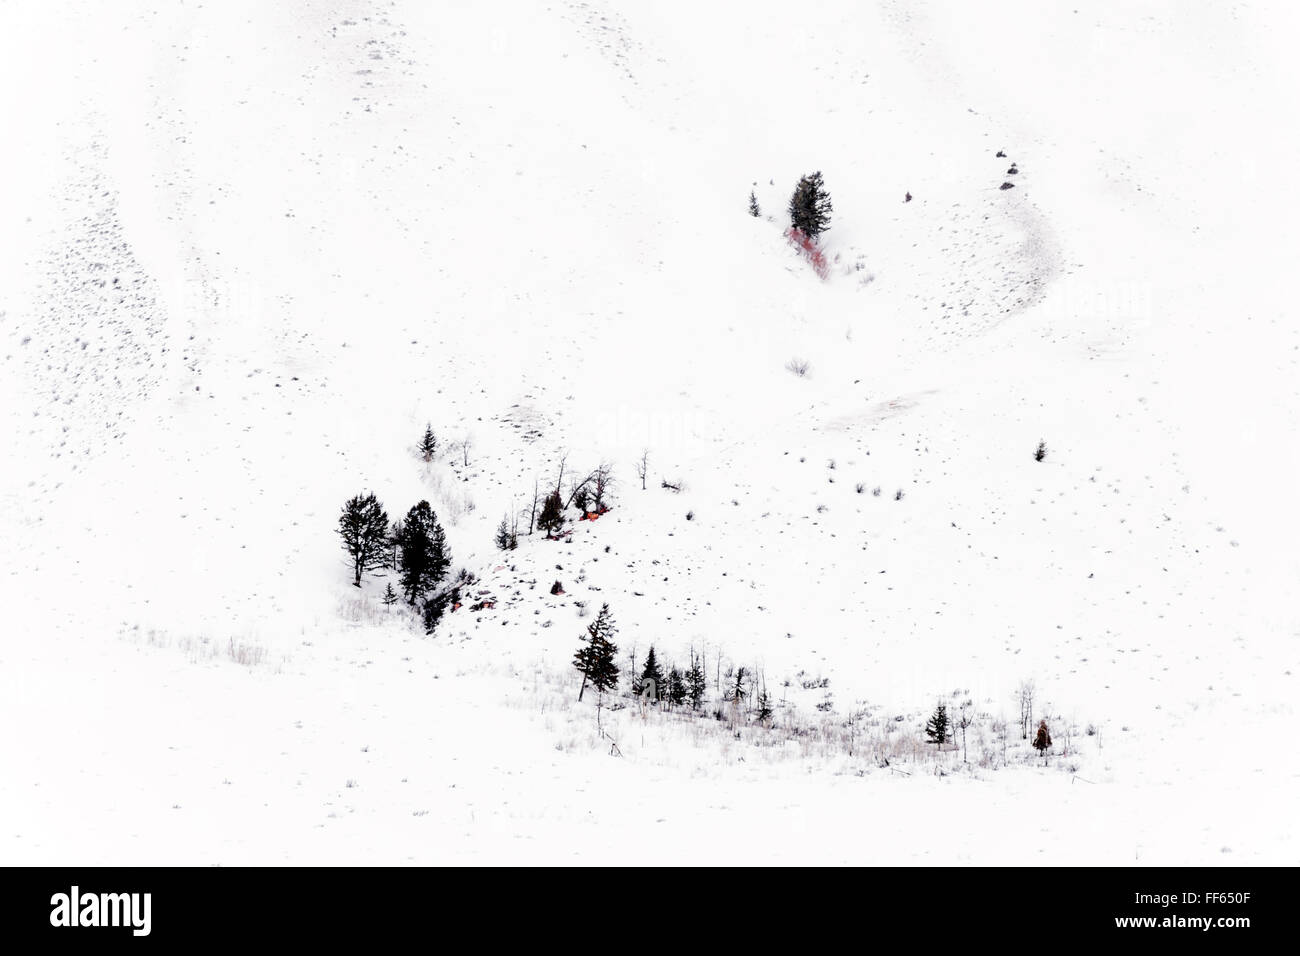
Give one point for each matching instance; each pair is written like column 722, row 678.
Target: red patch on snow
column 812, row 252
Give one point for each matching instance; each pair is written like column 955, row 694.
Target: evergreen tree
column 695, row 683
column 390, row 596
column 436, row 606
column 652, row 672
column 505, row 539
column 764, row 707
column 676, row 688
column 810, row 206
column 595, row 658
column 1043, row 739
column 428, row 444
column 423, row 558
column 363, row 526
column 937, row 728
column 753, row 205
column 738, row 692
column 552, row 516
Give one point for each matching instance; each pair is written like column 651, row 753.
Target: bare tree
column 964, row 719
column 642, row 466
column 601, row 481
column 537, row 499
column 394, row 540
column 1025, row 693
column 559, row 479
column 464, row 449
column 578, row 488
column 1000, row 729
column 579, row 495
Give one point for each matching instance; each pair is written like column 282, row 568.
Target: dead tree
column 579, row 489
column 642, row 467
column 537, row 498
column 964, row 720
column 559, row 479
column 601, row 481
column 1025, row 692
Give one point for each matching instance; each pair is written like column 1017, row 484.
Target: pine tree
column 937, row 729
column 423, row 559
column 737, row 696
column 505, row 539
column 363, row 526
column 390, row 596
column 676, row 688
column 695, row 683
column 738, row 692
column 653, row 675
column 764, row 708
column 595, row 658
column 1043, row 739
column 552, row 516
column 428, row 444
column 436, row 606
column 810, row 206
column 753, row 205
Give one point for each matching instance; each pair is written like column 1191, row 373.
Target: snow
column 249, row 250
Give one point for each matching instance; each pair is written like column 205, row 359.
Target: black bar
column 807, row 907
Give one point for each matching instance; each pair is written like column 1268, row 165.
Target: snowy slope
column 249, row 250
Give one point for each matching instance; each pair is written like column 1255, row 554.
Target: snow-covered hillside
column 249, row 250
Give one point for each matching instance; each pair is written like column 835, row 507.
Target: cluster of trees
column 678, row 687
column 941, row 727
column 590, row 494
column 428, row 446
column 596, row 660
column 415, row 547
column 810, row 206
